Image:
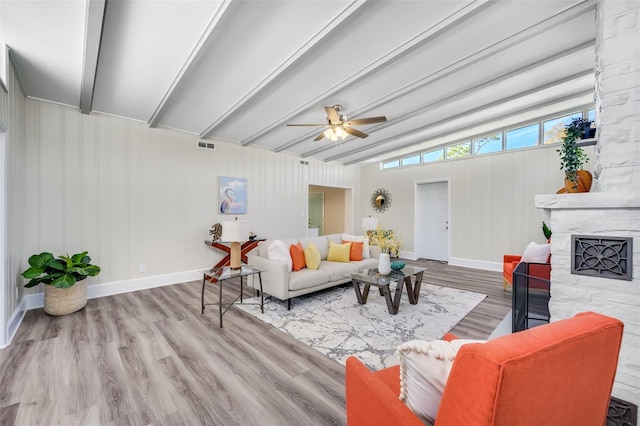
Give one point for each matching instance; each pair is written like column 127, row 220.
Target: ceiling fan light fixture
column 335, row 133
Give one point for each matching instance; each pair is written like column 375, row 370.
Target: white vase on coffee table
column 384, row 264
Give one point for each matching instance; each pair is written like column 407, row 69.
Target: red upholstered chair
column 555, row 374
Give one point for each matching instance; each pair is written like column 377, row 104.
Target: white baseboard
column 407, row 255
column 35, row 301
column 477, row 264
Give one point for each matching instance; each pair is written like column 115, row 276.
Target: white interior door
column 432, row 221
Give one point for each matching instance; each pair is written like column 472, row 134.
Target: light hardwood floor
column 151, row 358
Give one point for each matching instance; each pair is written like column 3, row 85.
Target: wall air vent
column 304, row 163
column 208, row 145
column 602, row 257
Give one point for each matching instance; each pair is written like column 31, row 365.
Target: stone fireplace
column 611, row 211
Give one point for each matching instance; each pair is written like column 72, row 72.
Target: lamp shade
column 369, row 223
column 235, row 231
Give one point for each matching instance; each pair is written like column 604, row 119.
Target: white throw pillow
column 279, row 251
column 366, row 253
column 424, row 370
column 536, row 253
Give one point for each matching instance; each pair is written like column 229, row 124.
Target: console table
column 245, row 248
column 222, row 274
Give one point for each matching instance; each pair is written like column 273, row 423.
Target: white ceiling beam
column 446, row 24
column 94, row 19
column 478, row 56
column 450, row 98
column 204, row 38
column 419, row 134
column 347, row 12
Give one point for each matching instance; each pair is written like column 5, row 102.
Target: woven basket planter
column 63, row 301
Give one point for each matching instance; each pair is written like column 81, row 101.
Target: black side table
column 224, row 273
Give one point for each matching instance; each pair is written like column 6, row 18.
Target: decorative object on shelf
column 368, row 225
column 397, row 265
column 252, row 236
column 572, row 157
column 64, row 292
column 546, row 231
column 235, row 232
column 381, row 200
column 233, row 195
column 384, row 264
column 215, row 232
column 386, row 240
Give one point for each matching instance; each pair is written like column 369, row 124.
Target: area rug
column 333, row 323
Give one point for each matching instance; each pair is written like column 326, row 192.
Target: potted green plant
column 65, row 290
column 572, row 157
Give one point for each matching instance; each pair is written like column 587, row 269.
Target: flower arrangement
column 386, row 240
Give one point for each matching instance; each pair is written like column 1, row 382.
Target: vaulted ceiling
column 241, row 70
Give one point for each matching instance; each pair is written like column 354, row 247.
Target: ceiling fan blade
column 332, row 114
column 320, row 136
column 309, row 125
column 370, row 120
column 355, row 132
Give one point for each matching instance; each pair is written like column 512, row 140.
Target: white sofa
column 278, row 282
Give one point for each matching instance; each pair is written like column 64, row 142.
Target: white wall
column 492, row 201
column 133, row 195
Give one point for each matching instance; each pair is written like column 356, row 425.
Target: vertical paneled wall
column 132, row 195
column 12, row 117
column 491, row 200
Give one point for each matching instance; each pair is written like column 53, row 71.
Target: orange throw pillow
column 356, row 249
column 297, row 256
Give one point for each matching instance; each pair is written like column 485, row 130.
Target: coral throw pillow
column 297, row 256
column 312, row 256
column 339, row 252
column 356, row 249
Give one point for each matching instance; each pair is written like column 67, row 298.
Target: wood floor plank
column 151, row 358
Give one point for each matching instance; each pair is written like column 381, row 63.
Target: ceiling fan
column 338, row 127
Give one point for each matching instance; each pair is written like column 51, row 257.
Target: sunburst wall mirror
column 381, row 200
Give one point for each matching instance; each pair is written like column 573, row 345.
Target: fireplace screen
column 604, row 257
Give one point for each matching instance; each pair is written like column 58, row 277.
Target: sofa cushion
column 366, row 253
column 307, row 278
column 336, row 238
column 356, row 249
column 365, row 264
column 338, row 270
column 297, row 256
column 339, row 252
column 279, row 251
column 312, row 256
column 320, row 242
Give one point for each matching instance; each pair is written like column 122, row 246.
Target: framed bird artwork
column 232, row 196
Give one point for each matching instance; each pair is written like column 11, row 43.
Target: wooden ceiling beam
column 204, row 38
column 94, row 20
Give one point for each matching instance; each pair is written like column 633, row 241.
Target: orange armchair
column 509, row 263
column 546, row 375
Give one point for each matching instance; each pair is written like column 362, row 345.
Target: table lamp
column 235, row 232
column 369, row 224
